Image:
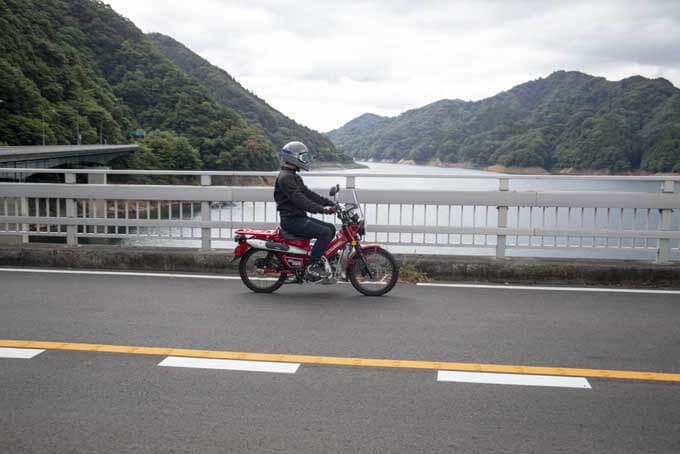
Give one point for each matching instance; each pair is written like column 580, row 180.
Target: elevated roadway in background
column 350, row 374
column 49, row 156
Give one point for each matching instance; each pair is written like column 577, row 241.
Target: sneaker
column 316, row 271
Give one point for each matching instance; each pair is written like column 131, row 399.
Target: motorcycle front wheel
column 384, row 269
column 252, row 270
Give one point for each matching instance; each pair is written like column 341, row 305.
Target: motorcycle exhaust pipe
column 276, row 247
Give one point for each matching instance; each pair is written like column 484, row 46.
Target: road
column 337, row 394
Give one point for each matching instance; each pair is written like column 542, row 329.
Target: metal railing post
column 503, row 185
column 97, row 206
column 663, row 253
column 206, row 180
column 71, row 229
column 24, row 212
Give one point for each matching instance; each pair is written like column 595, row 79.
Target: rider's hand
column 329, row 210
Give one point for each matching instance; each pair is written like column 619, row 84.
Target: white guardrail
column 428, row 217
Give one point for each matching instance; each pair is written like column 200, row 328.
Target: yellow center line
column 345, row 361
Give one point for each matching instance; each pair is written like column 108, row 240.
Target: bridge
column 47, row 156
column 194, row 362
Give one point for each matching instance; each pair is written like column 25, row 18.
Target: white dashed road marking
column 513, row 379
column 20, row 353
column 551, row 289
column 230, row 364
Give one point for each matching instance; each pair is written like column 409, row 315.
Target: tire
column 355, row 272
column 258, row 285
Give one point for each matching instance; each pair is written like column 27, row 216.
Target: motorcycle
column 271, row 258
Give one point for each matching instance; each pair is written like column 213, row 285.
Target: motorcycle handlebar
column 346, row 206
column 343, row 211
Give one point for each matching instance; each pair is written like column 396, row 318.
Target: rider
column 294, row 200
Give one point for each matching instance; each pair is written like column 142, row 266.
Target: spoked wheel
column 384, row 269
column 256, row 270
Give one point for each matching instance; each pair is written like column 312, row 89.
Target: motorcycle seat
column 290, row 236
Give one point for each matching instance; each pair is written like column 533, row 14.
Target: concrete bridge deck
column 73, row 396
column 39, row 152
column 47, row 156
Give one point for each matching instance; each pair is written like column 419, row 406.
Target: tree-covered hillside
column 226, row 90
column 353, row 135
column 567, row 120
column 82, row 67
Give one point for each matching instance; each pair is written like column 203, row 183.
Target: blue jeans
column 311, row 228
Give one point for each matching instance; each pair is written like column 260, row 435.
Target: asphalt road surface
column 115, row 363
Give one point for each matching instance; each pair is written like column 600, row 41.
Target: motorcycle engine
column 294, row 262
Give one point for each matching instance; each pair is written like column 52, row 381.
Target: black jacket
column 293, row 198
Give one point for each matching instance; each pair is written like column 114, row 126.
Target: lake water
column 467, row 216
column 470, row 184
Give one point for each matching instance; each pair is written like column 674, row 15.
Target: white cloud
column 325, row 62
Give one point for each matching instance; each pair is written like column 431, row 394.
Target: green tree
column 165, row 150
column 88, row 70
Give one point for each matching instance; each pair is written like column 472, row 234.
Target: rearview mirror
column 334, row 190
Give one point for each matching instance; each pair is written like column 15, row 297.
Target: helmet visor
column 305, row 158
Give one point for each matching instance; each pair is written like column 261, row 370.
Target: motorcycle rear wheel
column 251, row 277
column 385, row 273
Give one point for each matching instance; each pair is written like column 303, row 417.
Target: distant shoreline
column 334, row 165
column 498, row 168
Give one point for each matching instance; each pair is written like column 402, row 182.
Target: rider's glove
column 329, row 210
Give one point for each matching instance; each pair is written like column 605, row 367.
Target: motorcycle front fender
column 365, row 248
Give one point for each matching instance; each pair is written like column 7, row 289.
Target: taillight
column 240, row 249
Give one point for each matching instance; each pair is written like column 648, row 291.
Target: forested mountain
column 352, row 136
column 84, row 68
column 567, row 120
column 227, row 91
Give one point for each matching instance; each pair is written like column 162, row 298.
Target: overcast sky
column 325, row 62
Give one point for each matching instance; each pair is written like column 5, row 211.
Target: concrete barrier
column 446, row 268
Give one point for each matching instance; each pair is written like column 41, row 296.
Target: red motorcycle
column 272, row 258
